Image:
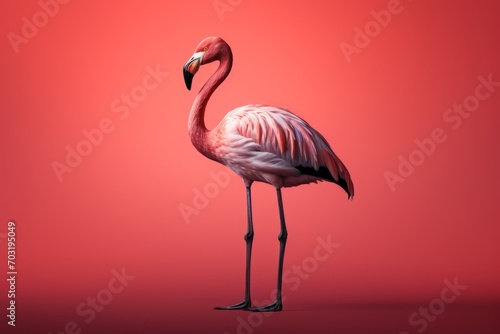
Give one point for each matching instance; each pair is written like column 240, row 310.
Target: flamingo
column 259, row 143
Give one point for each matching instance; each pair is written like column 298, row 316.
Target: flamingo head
column 209, row 50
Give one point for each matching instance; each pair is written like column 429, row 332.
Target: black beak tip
column 188, row 78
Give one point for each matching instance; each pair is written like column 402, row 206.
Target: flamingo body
column 259, row 143
column 275, row 146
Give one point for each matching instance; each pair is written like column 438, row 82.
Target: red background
column 120, row 207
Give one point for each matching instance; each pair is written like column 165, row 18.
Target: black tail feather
column 325, row 174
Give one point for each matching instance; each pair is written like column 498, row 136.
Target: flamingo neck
column 196, row 123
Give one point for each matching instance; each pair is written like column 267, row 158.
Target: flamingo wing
column 276, row 141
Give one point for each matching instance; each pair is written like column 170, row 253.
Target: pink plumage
column 264, row 143
column 259, row 143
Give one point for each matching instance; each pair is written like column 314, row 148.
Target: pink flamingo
column 259, row 143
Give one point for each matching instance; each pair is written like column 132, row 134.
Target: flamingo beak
column 191, row 67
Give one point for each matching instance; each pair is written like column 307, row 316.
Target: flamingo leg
column 277, row 305
column 247, row 302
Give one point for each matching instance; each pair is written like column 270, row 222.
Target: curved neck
column 196, row 123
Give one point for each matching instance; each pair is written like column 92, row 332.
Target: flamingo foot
column 244, row 305
column 274, row 307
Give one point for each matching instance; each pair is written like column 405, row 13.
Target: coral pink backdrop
column 122, row 226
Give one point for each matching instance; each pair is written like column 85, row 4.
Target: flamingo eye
column 205, row 48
